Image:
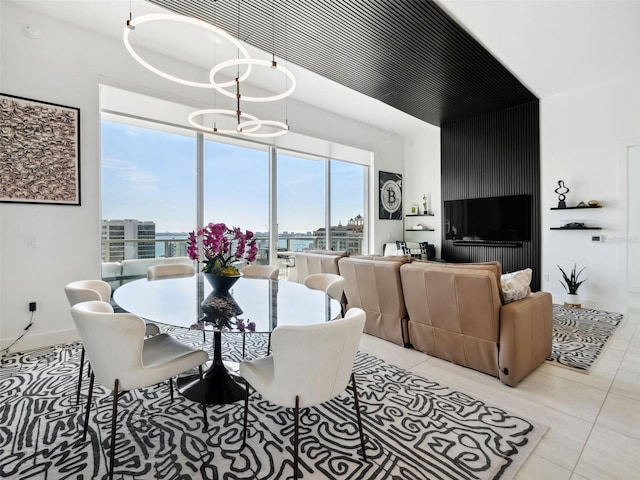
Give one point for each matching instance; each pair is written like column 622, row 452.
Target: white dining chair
column 84, row 291
column 169, row 270
column 329, row 283
column 261, row 271
column 155, row 272
column 122, row 359
column 310, row 365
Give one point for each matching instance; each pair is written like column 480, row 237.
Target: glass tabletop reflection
column 268, row 303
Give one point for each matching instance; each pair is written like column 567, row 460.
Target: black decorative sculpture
column 562, row 190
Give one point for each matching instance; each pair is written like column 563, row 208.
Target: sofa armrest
column 525, row 336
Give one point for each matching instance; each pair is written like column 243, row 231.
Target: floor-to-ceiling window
column 301, row 202
column 148, row 189
column 348, row 186
column 236, row 189
column 160, row 181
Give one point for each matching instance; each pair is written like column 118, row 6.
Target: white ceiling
column 552, row 46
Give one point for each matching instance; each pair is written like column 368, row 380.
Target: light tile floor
column 594, row 418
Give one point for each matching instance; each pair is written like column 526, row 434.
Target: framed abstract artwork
column 390, row 196
column 39, row 152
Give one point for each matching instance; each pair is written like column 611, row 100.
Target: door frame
column 623, row 216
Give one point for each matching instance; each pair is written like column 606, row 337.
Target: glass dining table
column 183, row 301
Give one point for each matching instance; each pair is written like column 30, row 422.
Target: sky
column 150, row 174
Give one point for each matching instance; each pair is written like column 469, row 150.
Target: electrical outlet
column 32, row 306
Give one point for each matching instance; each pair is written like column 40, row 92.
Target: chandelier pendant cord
column 215, row 60
column 238, row 96
column 129, row 25
column 246, row 123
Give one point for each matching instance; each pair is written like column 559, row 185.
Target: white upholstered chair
column 84, row 291
column 310, row 365
column 169, row 269
column 122, row 359
column 260, row 271
column 329, row 283
column 155, row 272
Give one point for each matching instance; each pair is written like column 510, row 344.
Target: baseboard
column 33, row 342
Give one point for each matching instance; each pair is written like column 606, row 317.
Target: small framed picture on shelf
column 414, row 209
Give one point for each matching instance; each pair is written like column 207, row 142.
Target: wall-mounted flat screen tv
column 505, row 219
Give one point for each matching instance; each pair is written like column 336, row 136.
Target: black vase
column 221, row 283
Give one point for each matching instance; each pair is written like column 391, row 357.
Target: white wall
column 581, row 132
column 43, row 247
column 422, row 176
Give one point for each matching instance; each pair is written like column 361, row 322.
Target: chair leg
column 114, row 414
column 246, row 414
column 296, row 426
column 86, row 414
column 80, row 376
column 204, row 334
column 202, row 399
column 243, row 344
column 171, row 388
column 269, row 344
column 356, row 404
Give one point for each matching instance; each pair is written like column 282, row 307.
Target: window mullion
column 273, row 206
column 327, row 202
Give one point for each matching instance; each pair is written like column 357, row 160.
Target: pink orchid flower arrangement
column 221, row 246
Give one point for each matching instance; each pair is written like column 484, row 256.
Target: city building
column 343, row 237
column 131, row 232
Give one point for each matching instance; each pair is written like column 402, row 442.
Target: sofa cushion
column 494, row 267
column 454, row 312
column 515, row 285
column 374, row 286
column 387, row 258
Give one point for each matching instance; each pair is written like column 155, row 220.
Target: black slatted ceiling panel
column 406, row 53
column 497, row 154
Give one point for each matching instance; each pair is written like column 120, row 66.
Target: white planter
column 572, row 300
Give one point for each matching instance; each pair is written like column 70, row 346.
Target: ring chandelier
column 132, row 23
column 249, row 62
column 247, row 124
column 252, row 120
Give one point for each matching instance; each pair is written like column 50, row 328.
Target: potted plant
column 571, row 284
column 221, row 247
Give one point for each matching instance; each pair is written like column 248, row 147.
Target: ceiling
column 398, row 63
column 408, row 54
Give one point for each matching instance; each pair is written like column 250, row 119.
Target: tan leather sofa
column 456, row 313
column 372, row 283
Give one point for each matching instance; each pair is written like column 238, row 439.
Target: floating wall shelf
column 576, row 228
column 575, row 208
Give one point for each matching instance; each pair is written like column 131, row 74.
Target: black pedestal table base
column 220, row 385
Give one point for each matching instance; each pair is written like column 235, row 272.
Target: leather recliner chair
column 456, row 313
column 372, row 283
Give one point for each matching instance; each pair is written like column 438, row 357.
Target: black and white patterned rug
column 579, row 335
column 414, row 428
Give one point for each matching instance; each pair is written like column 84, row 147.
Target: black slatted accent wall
column 406, row 53
column 494, row 155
